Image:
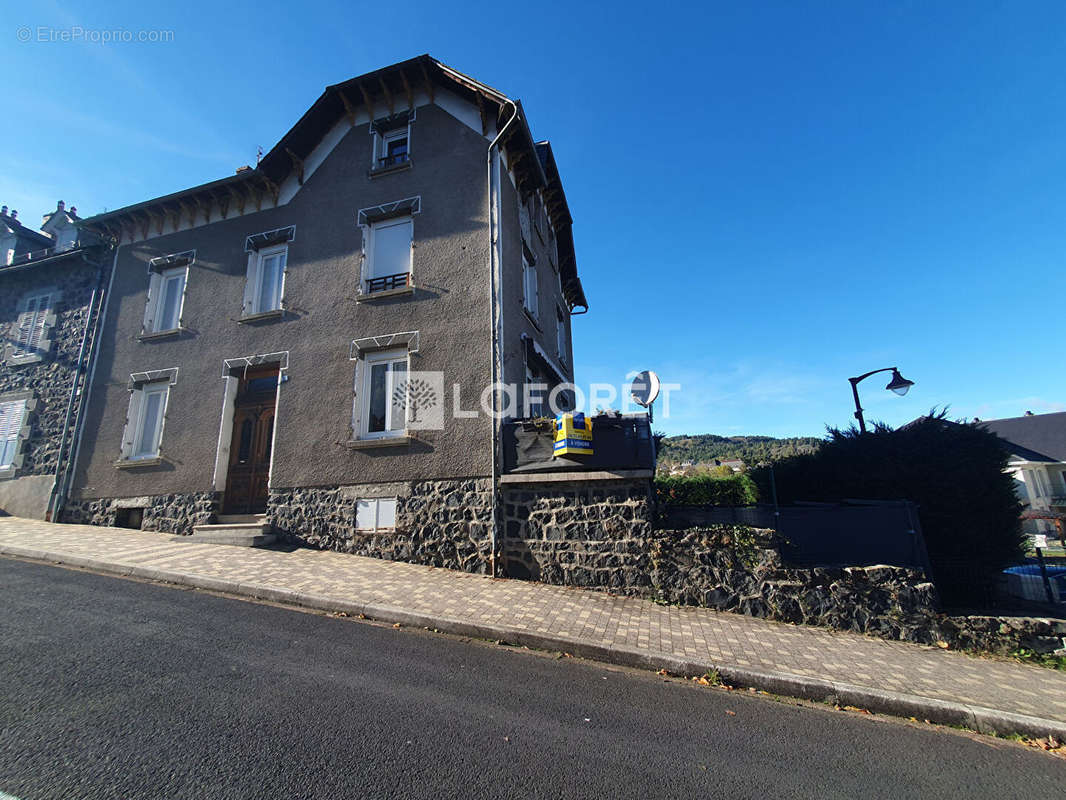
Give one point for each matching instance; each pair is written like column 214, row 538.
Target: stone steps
column 227, row 519
column 237, row 530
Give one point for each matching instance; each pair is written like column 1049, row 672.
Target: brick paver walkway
column 594, row 617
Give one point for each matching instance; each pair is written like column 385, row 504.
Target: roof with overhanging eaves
column 381, row 93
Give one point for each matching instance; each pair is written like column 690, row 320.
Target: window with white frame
column 166, row 297
column 266, row 279
column 12, row 419
column 144, row 421
column 530, row 289
column 34, row 320
column 389, row 254
column 375, row 514
column 392, row 148
column 560, row 333
column 383, row 406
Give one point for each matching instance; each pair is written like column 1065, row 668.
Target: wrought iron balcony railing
column 383, row 284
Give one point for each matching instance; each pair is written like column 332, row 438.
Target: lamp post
column 898, row 384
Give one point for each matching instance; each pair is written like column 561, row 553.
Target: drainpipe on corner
column 495, row 323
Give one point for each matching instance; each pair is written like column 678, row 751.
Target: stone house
column 309, row 339
column 51, row 283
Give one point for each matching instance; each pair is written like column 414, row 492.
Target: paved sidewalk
column 891, row 677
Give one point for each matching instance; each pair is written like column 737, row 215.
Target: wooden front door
column 253, row 433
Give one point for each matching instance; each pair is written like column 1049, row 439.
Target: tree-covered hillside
column 705, row 448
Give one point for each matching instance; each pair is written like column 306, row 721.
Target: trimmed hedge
column 705, row 490
column 953, row 471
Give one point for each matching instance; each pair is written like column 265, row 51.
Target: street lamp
column 898, row 384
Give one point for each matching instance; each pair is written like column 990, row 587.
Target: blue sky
column 768, row 197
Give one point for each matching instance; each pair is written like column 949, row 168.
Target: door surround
column 233, row 371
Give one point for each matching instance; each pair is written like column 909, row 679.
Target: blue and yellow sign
column 573, row 435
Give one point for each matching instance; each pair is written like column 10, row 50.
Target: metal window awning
column 535, row 351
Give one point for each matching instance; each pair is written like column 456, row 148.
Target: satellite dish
column 645, row 388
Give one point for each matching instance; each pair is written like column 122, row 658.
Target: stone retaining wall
column 588, row 533
column 438, row 523
column 600, row 534
column 168, row 513
column 1003, row 635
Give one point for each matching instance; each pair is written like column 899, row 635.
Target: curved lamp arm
column 897, row 379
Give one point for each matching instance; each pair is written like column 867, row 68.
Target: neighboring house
column 1037, row 444
column 274, row 341
column 735, row 464
column 51, row 282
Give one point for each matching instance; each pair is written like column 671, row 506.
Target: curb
column 943, row 712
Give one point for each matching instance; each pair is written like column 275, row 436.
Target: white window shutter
column 387, row 512
column 250, row 283
column 536, row 290
column 391, row 254
column 532, row 290
column 25, row 327
column 26, row 324
column 12, row 414
column 523, row 221
column 130, row 431
column 150, row 304
column 11, row 418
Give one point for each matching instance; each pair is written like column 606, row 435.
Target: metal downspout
column 494, row 324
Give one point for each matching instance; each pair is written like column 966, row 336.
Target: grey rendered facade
column 50, row 287
column 318, row 197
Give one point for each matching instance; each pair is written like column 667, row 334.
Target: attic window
column 392, row 142
column 393, row 149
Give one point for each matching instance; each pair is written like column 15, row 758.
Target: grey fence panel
column 853, row 534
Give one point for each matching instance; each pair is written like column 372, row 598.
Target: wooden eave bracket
column 272, row 187
column 366, row 100
column 298, row 165
column 407, row 89
column 240, row 198
column 349, row 109
column 429, row 83
column 189, row 211
column 388, row 95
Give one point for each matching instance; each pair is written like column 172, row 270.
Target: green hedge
column 954, row 473
column 705, row 490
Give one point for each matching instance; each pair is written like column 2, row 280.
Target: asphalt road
column 118, row 689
